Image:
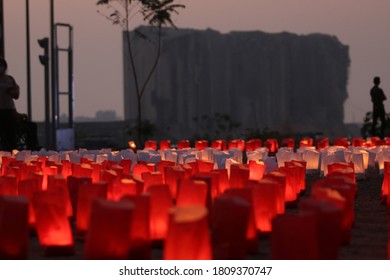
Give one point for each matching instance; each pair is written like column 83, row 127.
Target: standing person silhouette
column 377, row 98
column 9, row 90
column 12, row 123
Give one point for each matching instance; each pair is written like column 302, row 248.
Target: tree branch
column 154, row 64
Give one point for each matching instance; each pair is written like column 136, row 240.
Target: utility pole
column 1, row 29
column 44, row 59
column 54, row 82
column 28, row 62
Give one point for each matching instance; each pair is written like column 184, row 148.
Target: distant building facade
column 283, row 81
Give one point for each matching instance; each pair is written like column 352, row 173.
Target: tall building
column 284, row 81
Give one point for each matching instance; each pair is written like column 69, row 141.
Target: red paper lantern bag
column 14, row 229
column 87, row 193
column 160, row 203
column 192, row 192
column 52, row 224
column 188, row 235
column 229, row 224
column 294, row 237
column 108, row 235
column 140, row 242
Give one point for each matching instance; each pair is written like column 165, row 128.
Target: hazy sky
column 360, row 24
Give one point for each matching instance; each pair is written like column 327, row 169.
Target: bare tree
column 157, row 13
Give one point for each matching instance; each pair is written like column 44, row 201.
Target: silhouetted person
column 377, row 98
column 9, row 90
column 11, row 122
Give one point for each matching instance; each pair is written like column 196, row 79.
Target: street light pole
column 44, row 59
column 28, row 64
column 54, row 81
column 1, row 29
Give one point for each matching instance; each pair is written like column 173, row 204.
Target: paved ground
column 370, row 231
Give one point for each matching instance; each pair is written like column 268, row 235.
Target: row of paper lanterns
column 108, row 202
column 271, row 143
column 363, row 158
column 54, row 203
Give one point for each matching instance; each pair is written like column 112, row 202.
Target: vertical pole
column 70, row 78
column 47, row 97
column 1, row 29
column 53, row 77
column 28, row 63
column 44, row 59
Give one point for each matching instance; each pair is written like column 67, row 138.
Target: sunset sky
column 98, row 68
